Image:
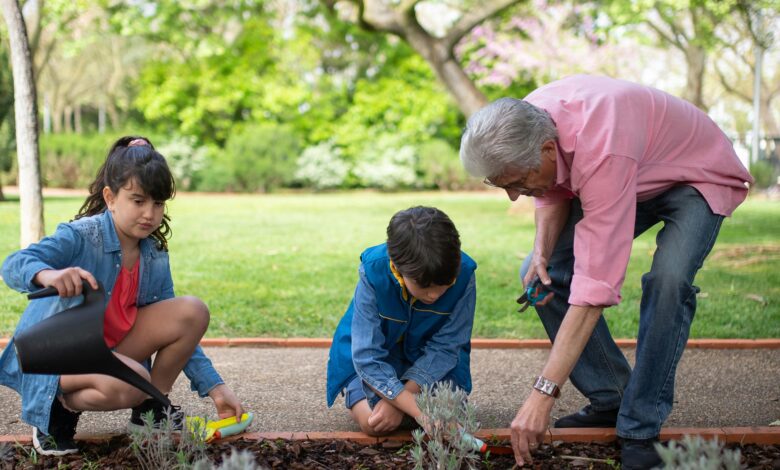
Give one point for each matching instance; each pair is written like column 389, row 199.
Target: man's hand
column 68, row 281
column 385, row 417
column 226, row 402
column 530, row 425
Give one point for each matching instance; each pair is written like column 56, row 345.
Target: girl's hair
column 133, row 157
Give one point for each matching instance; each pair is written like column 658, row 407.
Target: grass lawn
column 286, row 265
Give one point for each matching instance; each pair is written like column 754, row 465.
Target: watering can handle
column 51, row 291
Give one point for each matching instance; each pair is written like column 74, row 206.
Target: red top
column 121, row 310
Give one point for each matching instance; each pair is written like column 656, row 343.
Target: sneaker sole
column 50, row 453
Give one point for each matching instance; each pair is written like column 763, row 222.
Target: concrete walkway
column 285, row 388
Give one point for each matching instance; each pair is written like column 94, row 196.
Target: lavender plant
column 449, row 423
column 695, row 453
column 164, row 447
column 237, row 460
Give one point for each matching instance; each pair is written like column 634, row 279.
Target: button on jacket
column 90, row 243
column 387, row 337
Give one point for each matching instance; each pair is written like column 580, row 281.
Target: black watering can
column 71, row 342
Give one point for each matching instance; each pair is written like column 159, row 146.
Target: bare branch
column 728, row 87
column 477, row 15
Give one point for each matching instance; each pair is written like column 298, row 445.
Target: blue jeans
column 602, row 373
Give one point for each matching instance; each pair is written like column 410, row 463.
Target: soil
column 338, row 454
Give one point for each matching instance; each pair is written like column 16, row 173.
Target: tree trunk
column 26, row 115
column 77, row 119
column 68, row 120
column 447, row 69
column 696, row 57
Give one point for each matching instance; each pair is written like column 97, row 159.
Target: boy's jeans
column 602, row 373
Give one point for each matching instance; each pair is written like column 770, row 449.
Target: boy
column 409, row 322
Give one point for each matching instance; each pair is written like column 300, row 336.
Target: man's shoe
column 588, row 418
column 159, row 413
column 62, row 428
column 639, row 454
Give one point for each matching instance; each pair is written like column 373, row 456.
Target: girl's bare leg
column 171, row 328
column 97, row 392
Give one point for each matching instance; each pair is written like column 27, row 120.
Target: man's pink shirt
column 621, row 143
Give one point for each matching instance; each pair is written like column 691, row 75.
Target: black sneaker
column 62, row 428
column 588, row 418
column 159, row 413
column 639, row 454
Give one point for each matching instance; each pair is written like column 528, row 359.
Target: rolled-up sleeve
column 442, row 351
column 368, row 351
column 603, row 238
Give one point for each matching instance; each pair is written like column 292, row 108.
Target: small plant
column 449, row 421
column 237, row 460
column 165, row 448
column 31, row 453
column 700, row 454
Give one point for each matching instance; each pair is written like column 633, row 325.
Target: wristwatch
column 547, row 387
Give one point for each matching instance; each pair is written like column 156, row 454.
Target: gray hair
column 506, row 132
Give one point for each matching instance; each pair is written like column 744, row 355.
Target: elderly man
column 606, row 160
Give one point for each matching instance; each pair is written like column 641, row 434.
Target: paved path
column 285, row 388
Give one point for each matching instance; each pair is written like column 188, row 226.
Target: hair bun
column 137, row 142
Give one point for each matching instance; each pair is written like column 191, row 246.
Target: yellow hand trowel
column 219, row 429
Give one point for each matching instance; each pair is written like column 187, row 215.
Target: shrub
column 387, row 163
column 72, row 160
column 184, row 159
column 440, row 167
column 446, row 407
column 262, row 157
column 764, row 173
column 322, row 166
column 697, row 453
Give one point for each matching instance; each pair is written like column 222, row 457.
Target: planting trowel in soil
column 219, row 429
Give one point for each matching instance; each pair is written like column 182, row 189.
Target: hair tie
column 137, row 142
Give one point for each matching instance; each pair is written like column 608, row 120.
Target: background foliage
column 286, row 264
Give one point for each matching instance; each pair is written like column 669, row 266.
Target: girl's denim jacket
column 90, row 243
column 387, row 337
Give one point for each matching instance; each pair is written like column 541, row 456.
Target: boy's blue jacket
column 387, row 337
column 90, row 243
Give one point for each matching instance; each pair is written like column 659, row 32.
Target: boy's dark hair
column 133, row 157
column 424, row 245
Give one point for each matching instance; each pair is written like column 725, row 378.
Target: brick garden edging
column 476, row 343
column 743, row 435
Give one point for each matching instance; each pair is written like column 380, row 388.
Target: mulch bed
column 338, row 454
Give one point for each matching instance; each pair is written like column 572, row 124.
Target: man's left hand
column 530, row 425
column 226, row 402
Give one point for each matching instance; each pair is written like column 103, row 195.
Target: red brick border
column 476, row 343
column 743, row 435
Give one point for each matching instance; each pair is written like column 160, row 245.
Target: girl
column 119, row 237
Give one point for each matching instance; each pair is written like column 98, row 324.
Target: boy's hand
column 385, row 417
column 226, row 402
column 68, row 281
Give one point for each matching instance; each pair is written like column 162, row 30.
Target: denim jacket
column 90, row 243
column 387, row 337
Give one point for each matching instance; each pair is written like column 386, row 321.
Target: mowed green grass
column 286, row 265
